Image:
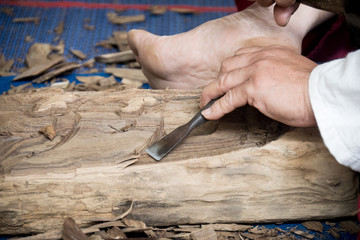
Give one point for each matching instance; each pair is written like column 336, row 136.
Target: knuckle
column 225, row 66
column 223, row 82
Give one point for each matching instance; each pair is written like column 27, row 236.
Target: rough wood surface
column 244, row 168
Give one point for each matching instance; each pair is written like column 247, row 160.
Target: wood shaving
column 184, row 10
column 158, row 10
column 35, row 20
column 60, row 28
column 115, row 19
column 79, row 54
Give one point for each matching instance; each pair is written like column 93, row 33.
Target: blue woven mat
column 75, row 36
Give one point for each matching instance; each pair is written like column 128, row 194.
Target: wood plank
column 244, row 168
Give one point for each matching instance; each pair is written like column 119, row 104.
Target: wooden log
column 244, row 168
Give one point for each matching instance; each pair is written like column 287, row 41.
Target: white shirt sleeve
column 334, row 89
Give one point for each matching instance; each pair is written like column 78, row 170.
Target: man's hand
column 283, row 9
column 273, row 79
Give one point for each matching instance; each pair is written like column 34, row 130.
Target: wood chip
column 158, row 10
column 5, row 66
column 107, row 81
column 29, row 39
column 88, row 80
column 303, row 234
column 65, row 68
column 133, row 74
column 133, row 65
column 89, row 63
column 38, row 54
column 115, row 19
column 134, row 223
column 60, row 28
column 115, row 233
column 39, row 69
column 334, row 233
column 23, row 88
column 121, row 40
column 350, row 227
column 89, row 27
column 205, row 233
column 59, row 48
column 120, row 57
column 71, row 231
column 314, row 226
column 184, row 10
column 35, row 20
column 79, row 54
column 48, row 131
column 7, row 10
column 61, row 84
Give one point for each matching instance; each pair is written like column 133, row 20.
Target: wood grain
column 244, row 168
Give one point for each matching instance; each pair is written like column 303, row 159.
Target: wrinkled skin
column 273, row 79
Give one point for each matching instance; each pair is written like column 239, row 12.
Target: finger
column 265, row 3
column 226, row 82
column 233, row 99
column 235, row 62
column 282, row 15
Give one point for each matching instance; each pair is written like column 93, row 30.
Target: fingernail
column 206, row 112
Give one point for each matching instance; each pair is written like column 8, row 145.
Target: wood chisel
column 162, row 147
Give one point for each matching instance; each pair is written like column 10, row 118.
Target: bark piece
column 225, row 174
column 115, row 19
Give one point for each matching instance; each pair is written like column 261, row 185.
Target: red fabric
column 242, row 4
column 330, row 40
